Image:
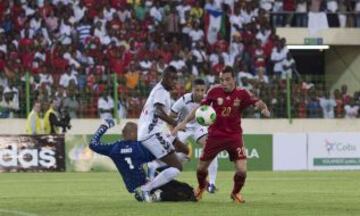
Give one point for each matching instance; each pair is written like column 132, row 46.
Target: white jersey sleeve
column 179, row 105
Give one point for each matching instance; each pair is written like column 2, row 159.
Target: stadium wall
column 270, row 145
column 331, row 36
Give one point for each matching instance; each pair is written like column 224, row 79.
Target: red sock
column 201, row 177
column 239, row 181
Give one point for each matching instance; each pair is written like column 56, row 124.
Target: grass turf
column 103, row 194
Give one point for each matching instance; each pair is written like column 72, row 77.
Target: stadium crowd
column 72, row 49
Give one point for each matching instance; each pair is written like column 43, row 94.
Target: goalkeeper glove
column 109, row 123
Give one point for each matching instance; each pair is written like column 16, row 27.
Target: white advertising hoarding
column 333, row 151
column 289, row 151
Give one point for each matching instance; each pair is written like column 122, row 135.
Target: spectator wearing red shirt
column 289, row 6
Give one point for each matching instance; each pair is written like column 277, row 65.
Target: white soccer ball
column 205, row 115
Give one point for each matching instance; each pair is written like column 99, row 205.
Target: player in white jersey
column 181, row 108
column 153, row 135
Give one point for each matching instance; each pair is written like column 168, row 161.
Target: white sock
column 152, row 166
column 182, row 157
column 213, row 171
column 164, row 177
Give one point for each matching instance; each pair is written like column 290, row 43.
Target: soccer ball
column 205, row 115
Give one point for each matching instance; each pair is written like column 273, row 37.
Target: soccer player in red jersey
column 226, row 133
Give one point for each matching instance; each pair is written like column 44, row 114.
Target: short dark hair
column 198, row 81
column 169, row 70
column 229, row 69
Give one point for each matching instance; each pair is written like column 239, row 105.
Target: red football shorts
column 215, row 145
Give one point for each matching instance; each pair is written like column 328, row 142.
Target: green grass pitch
column 103, row 194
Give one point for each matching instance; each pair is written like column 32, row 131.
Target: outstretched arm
column 188, row 118
column 95, row 144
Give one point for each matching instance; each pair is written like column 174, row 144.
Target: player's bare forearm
column 263, row 108
column 163, row 116
column 188, row 118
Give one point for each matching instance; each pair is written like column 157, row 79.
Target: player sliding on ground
column 129, row 157
column 226, row 133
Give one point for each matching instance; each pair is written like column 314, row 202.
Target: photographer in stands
column 52, row 120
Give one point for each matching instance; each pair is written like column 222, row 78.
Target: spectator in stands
column 313, row 108
column 68, row 77
column 10, row 103
column 278, row 55
column 122, row 106
column 278, row 17
column 351, row 109
column 328, row 105
column 2, row 109
column 357, row 13
column 289, row 67
column 33, row 122
column 289, row 8
column 105, row 105
column 344, row 94
column 71, row 104
column 132, row 76
column 339, row 109
column 301, row 13
column 260, row 76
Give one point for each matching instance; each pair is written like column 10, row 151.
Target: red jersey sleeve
column 247, row 99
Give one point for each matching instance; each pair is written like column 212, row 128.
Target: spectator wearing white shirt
column 79, row 11
column 145, row 64
column 263, row 34
column 278, row 55
column 266, row 4
column 46, row 78
column 199, row 53
column 101, row 33
column 67, row 78
column 278, row 19
column 35, row 22
column 155, row 13
column 178, row 63
column 196, row 34
column 65, row 32
column 289, row 67
column 124, row 14
column 236, row 21
column 351, row 110
column 182, row 10
column 11, row 101
column 260, row 75
column 247, row 14
column 236, row 48
column 105, row 105
column 327, row 104
column 243, row 74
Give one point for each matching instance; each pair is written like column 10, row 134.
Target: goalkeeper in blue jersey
column 129, row 157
